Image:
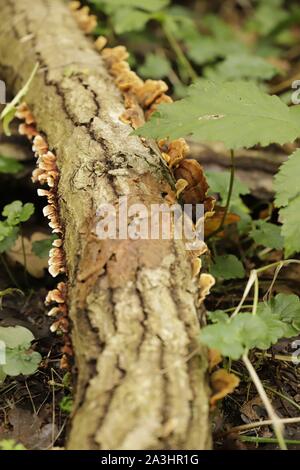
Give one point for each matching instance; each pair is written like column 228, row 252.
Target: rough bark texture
column 141, row 373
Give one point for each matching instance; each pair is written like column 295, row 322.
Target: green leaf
column 126, row 20
column 290, row 218
column 10, row 291
column 224, row 338
column 5, row 231
column 270, row 331
column 8, row 236
column 66, row 404
column 266, row 17
column 279, row 318
column 218, row 316
column 16, row 336
column 19, row 359
column 239, row 208
column 10, row 109
column 9, row 116
column 21, row 362
column 155, row 66
column 181, row 22
column 16, row 212
column 113, row 5
column 219, row 181
column 267, row 234
column 221, row 43
column 286, row 182
column 218, row 27
column 252, row 331
column 288, row 198
column 2, row 375
column 214, row 112
column 242, row 66
column 9, row 165
column 285, row 308
column 180, row 90
column 227, row 267
column 203, row 49
column 41, row 248
column 130, row 15
column 10, row 444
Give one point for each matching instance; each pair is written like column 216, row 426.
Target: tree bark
column 141, row 380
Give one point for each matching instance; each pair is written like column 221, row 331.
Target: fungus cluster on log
column 46, row 173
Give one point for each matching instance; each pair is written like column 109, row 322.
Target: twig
column 285, row 397
column 250, row 283
column 276, row 421
column 256, row 296
column 178, row 51
column 267, row 440
column 277, row 357
column 258, row 424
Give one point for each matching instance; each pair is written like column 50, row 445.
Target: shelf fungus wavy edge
column 47, row 174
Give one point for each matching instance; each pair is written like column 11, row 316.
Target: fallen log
column 141, row 371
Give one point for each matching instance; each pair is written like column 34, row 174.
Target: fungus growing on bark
column 47, row 173
column 113, row 55
column 193, row 173
column 196, row 266
column 23, row 113
column 86, row 22
column 150, row 91
column 27, row 130
column 180, row 186
column 206, row 282
column 162, row 99
column 56, row 261
column 100, row 43
column 57, row 295
column 40, row 146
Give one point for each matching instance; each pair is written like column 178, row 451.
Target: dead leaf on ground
column 35, row 265
column 222, row 383
column 212, row 223
column 214, row 358
column 28, row 429
column 253, row 410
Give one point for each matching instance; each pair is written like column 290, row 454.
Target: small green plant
column 261, row 327
column 9, row 291
column 275, row 319
column 10, row 228
column 9, row 165
column 207, row 43
column 267, row 234
column 227, row 267
column 10, row 444
column 17, row 357
column 66, row 404
column 15, row 213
